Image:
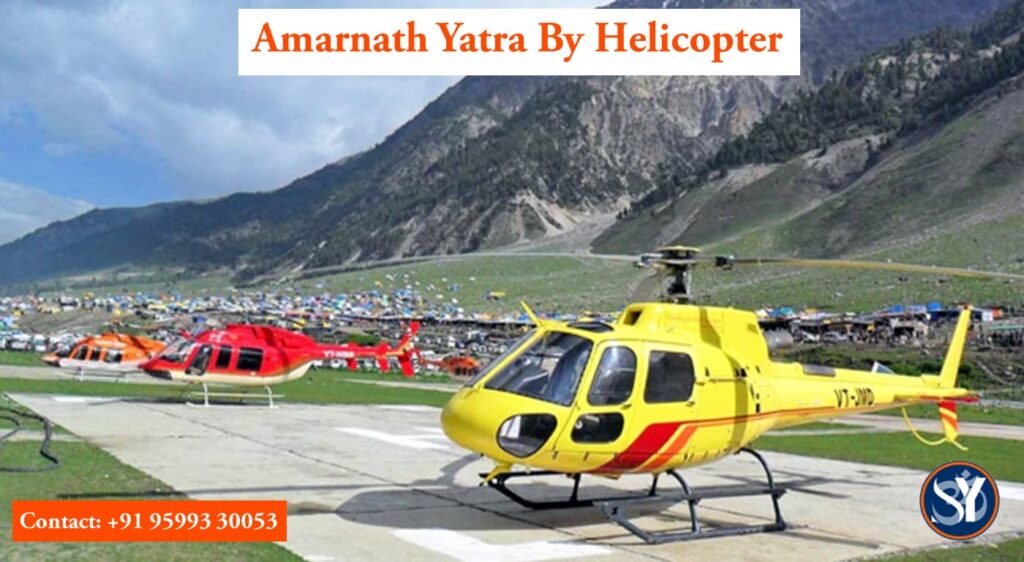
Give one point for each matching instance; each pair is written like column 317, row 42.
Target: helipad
column 382, row 482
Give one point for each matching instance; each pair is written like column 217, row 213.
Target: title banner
column 487, row 42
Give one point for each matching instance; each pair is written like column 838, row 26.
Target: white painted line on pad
column 1011, row 492
column 410, row 441
column 407, row 408
column 469, row 549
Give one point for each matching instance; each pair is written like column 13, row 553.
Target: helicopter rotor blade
column 728, row 261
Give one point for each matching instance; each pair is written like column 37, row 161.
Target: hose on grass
column 17, row 417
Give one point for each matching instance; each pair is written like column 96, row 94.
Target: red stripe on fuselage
column 626, row 460
column 677, row 445
column 650, row 441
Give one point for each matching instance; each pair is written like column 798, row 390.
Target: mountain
column 491, row 162
column 912, row 145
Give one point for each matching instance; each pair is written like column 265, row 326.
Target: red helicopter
column 246, row 355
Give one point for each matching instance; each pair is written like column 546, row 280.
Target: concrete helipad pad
column 382, row 482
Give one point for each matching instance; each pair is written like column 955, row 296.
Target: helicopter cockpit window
column 548, row 370
column 613, row 381
column 201, row 361
column 669, row 377
column 94, row 354
column 81, row 353
column 176, row 352
column 494, row 364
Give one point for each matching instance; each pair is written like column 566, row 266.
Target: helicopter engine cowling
column 779, row 339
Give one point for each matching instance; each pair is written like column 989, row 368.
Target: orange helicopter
column 110, row 354
column 459, row 365
column 667, row 386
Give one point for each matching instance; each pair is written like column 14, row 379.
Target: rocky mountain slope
column 911, row 143
column 491, row 162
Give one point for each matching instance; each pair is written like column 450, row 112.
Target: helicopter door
column 601, row 417
column 201, row 361
column 669, row 396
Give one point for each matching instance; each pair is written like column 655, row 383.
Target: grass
column 1009, row 551
column 156, row 281
column 998, row 456
column 88, row 470
column 968, row 413
column 993, row 246
column 430, row 378
column 820, row 426
column 565, row 284
column 20, row 358
column 317, row 387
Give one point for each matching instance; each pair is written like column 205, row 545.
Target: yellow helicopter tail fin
column 955, row 354
column 945, row 393
column 946, row 379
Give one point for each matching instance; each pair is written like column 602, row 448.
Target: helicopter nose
column 504, row 427
column 463, row 424
column 152, row 368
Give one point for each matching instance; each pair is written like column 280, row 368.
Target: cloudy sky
column 111, row 103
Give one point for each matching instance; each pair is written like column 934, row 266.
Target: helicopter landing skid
column 616, row 510
column 499, row 484
column 207, row 394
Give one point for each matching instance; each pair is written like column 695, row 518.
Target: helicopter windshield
column 177, row 351
column 493, row 365
column 549, row 369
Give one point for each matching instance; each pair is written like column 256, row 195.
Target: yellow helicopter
column 670, row 385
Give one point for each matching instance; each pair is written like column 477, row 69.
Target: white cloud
column 108, row 75
column 27, row 208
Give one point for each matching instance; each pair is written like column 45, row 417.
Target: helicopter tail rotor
column 406, row 352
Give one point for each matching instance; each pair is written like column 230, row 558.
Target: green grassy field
column 432, row 378
column 999, row 456
column 991, row 246
column 20, row 358
column 968, row 413
column 820, row 426
column 566, row 284
column 154, row 282
column 317, row 387
column 1009, row 551
column 88, row 470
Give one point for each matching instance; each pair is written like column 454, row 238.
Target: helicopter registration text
column 854, row 397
